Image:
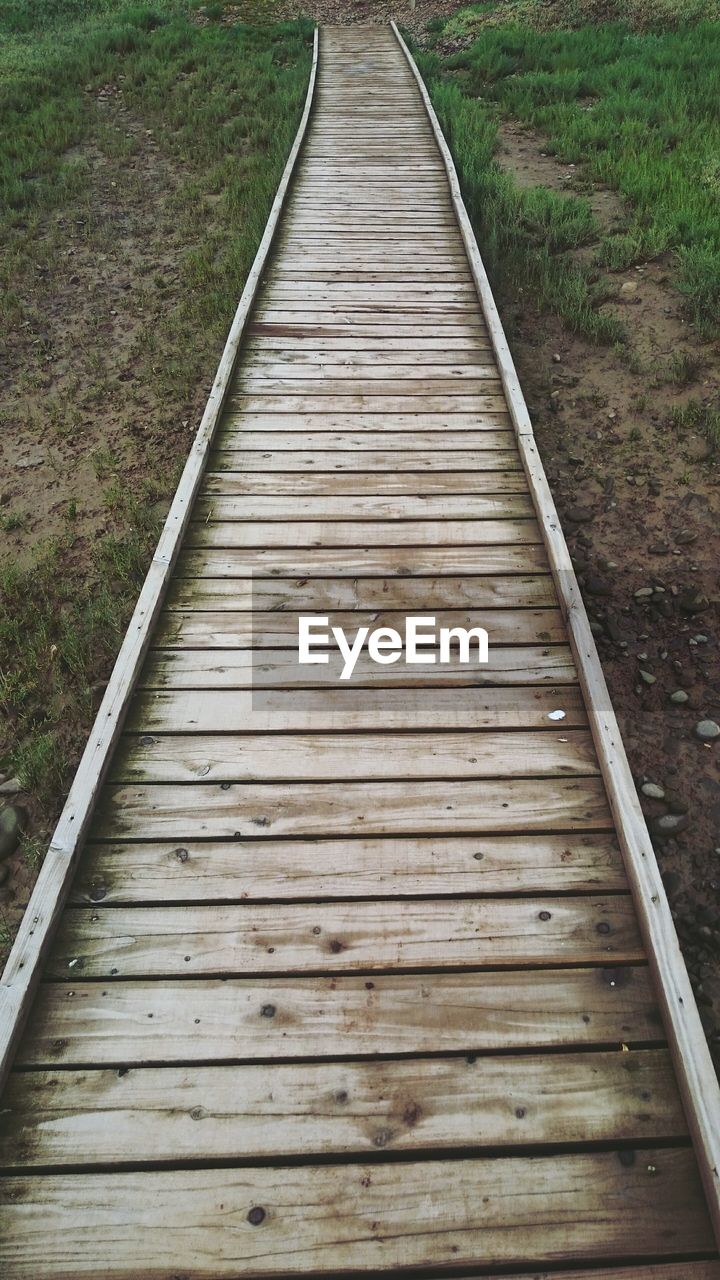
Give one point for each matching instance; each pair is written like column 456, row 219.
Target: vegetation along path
column 326, row 978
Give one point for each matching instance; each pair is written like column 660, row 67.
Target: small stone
column 653, row 791
column 628, row 288
column 557, row 359
column 693, row 601
column 685, row 536
column 658, row 549
column 12, row 824
column 597, row 586
column 678, row 696
column 669, row 824
column 647, row 677
column 10, row 787
column 707, row 730
column 643, row 593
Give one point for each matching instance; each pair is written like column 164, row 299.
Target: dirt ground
column 639, row 502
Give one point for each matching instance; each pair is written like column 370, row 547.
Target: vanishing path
column 350, row 978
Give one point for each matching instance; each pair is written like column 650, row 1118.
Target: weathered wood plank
column 146, row 1116
column 370, row 562
column 317, row 710
column 366, row 507
column 320, row 1220
column 463, row 425
column 351, row 808
column 368, row 461
column 123, row 1023
column 261, row 669
column 245, row 437
column 364, row 483
column 250, row 939
column 385, row 756
column 250, row 870
column 268, row 629
column 300, row 593
column 351, row 533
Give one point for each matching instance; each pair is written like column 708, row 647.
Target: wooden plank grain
column 332, row 867
column 249, row 939
column 304, row 757
column 261, row 669
column 278, row 629
column 248, row 1019
column 322, row 1221
column 378, row 808
column 150, row 1116
column 333, row 562
column 319, row 710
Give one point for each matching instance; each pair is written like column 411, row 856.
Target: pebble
column 685, row 536
column 647, row 677
column 12, row 824
column 679, row 695
column 643, row 593
column 653, row 791
column 10, row 787
column 669, row 824
column 693, row 601
column 597, row 586
column 707, row 730
column 628, row 288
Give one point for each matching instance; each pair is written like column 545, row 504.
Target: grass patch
column 524, row 233
column 698, row 416
column 221, row 104
column 633, row 97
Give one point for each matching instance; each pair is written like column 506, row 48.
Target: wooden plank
column 422, row 425
column 134, row 1022
column 494, row 435
column 333, row 868
column 268, row 629
column 353, row 460
column 367, row 533
column 291, row 757
column 26, row 957
column 325, row 1220
column 145, row 1116
column 428, row 375
column 492, row 591
column 249, row 939
column 261, row 669
column 370, row 562
column 374, row 483
column 351, row 808
column 365, row 507
column 313, row 711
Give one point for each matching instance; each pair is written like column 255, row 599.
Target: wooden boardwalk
column 374, row 976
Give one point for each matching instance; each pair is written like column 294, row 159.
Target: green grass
column 524, row 233
column 222, row 104
column 636, row 107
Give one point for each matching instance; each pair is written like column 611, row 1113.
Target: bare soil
column 640, row 506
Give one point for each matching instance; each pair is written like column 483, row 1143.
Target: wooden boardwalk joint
column 329, row 978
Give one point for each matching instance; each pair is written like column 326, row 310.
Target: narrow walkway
column 350, row 980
